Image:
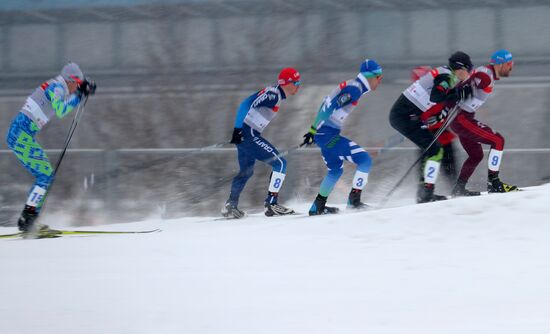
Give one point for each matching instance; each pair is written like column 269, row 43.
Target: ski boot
column 460, row 190
column 425, row 194
column 274, row 209
column 27, row 218
column 30, row 228
column 319, row 207
column 495, row 185
column 230, row 210
column 277, row 210
column 354, row 200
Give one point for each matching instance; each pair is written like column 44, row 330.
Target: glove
column 308, row 137
column 435, row 120
column 237, row 137
column 462, row 93
column 87, row 87
column 465, row 92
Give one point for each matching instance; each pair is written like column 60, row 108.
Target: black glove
column 460, row 93
column 308, row 137
column 237, row 137
column 465, row 92
column 87, row 87
column 435, row 119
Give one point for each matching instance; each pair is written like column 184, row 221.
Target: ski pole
column 450, row 118
column 227, row 179
column 213, row 146
column 72, row 128
column 388, row 144
column 69, row 136
column 146, row 164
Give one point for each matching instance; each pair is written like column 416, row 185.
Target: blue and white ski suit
column 335, row 148
column 253, row 116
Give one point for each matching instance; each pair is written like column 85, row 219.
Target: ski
column 58, row 233
column 13, row 235
column 346, row 211
column 66, row 232
column 257, row 216
column 229, row 218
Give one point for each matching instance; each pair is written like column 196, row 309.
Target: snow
column 469, row 265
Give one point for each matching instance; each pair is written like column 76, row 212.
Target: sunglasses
column 75, row 79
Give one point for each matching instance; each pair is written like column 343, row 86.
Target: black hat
column 459, row 60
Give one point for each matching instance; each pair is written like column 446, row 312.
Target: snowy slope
column 470, row 265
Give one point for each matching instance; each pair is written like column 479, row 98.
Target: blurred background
column 171, row 74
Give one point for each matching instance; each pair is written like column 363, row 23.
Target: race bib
column 255, row 120
column 36, row 112
column 418, row 93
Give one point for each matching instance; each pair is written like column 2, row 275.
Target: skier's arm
column 442, row 88
column 241, row 114
column 55, row 94
column 481, row 83
column 237, row 136
column 445, row 91
column 348, row 95
column 323, row 114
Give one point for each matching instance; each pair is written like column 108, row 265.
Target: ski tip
column 74, row 232
column 12, row 235
column 51, row 233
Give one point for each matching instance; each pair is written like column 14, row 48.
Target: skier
column 253, row 116
column 431, row 93
column 326, row 129
column 445, row 139
column 56, row 97
column 472, row 133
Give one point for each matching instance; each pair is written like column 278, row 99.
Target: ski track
column 467, row 265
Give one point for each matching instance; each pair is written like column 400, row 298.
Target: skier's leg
column 267, row 153
column 334, row 173
column 405, row 118
column 431, row 165
column 246, row 170
column 475, row 155
column 278, row 174
column 264, row 151
column 21, row 141
column 448, row 164
column 470, row 136
column 334, row 160
column 494, row 184
column 431, row 162
column 361, row 158
column 411, row 127
column 479, row 132
column 495, row 154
